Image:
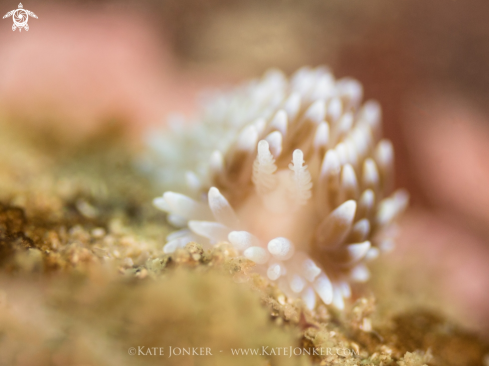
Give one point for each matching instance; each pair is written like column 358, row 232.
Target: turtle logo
column 20, row 16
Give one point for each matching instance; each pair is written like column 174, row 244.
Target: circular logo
column 20, row 18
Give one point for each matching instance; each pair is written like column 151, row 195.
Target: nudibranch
column 294, row 174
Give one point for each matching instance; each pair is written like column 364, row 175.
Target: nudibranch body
column 294, row 174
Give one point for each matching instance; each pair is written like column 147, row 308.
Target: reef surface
column 84, row 280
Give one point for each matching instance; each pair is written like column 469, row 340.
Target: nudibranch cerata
column 294, row 174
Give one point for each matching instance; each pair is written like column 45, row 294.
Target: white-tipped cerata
column 221, row 209
column 279, row 122
column 274, row 271
column 309, row 298
column 211, row 230
column 281, row 248
column 284, row 160
column 292, row 105
column 257, row 255
column 316, row 112
column 334, row 229
column 370, row 175
column 324, row 288
column 321, row 138
column 181, row 205
column 242, row 240
column 216, row 164
column 274, row 140
column 349, row 184
column 247, row 139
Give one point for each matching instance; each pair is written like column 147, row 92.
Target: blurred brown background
column 86, row 63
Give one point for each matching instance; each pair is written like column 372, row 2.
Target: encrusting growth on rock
column 83, row 278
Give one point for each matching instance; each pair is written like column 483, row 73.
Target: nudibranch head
column 294, row 174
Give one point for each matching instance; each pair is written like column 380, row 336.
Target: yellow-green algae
column 83, row 279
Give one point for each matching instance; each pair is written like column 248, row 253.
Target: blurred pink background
column 82, row 64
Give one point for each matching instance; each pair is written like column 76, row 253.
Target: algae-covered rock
column 84, row 281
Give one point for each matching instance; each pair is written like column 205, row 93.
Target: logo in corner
column 21, row 17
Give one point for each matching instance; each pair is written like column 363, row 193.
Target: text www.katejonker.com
column 171, row 351
column 292, row 351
